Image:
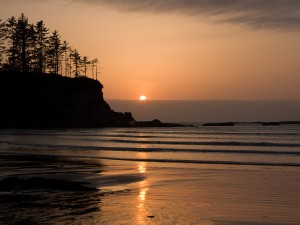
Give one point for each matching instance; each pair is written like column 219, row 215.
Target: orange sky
column 172, row 50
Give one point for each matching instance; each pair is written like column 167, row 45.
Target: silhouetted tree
column 24, row 40
column 65, row 48
column 12, row 39
column 96, row 61
column 32, row 64
column 26, row 47
column 85, row 63
column 94, row 65
column 70, row 51
column 54, row 52
column 76, row 58
column 2, row 41
column 41, row 42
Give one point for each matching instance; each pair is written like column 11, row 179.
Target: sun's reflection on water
column 142, row 167
column 142, row 195
column 142, row 210
column 142, row 206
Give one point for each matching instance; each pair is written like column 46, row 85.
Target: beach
column 193, row 175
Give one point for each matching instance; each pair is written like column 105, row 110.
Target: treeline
column 28, row 47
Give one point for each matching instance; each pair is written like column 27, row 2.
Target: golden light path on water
column 143, row 189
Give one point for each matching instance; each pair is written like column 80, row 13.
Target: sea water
column 245, row 174
column 256, row 145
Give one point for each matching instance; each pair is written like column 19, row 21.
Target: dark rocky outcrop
column 227, row 124
column 270, row 123
column 155, row 123
column 31, row 100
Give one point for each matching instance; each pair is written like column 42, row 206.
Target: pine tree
column 23, row 32
column 12, row 39
column 2, row 42
column 54, row 52
column 41, row 42
column 32, row 57
column 85, row 63
column 25, row 47
column 65, row 48
column 76, row 58
column 96, row 62
column 70, row 51
column 94, row 65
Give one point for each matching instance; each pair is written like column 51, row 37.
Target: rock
column 219, row 124
column 155, row 123
column 270, row 123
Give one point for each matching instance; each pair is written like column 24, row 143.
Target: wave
column 207, row 132
column 176, row 161
column 229, row 143
column 132, row 149
column 148, row 133
column 207, row 162
column 184, row 135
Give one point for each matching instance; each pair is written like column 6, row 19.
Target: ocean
column 245, row 174
column 210, row 110
column 243, row 145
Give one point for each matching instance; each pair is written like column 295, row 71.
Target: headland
column 43, row 101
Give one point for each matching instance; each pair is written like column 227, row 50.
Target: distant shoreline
column 276, row 123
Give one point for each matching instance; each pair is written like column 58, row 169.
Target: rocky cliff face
column 52, row 101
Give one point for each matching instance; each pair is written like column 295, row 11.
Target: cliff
column 31, row 100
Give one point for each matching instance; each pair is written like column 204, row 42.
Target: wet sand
column 144, row 193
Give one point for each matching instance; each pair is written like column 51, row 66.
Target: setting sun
column 143, row 98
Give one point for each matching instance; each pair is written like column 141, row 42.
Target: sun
column 143, row 98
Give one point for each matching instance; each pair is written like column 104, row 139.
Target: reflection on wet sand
column 142, row 210
column 142, row 167
column 143, row 189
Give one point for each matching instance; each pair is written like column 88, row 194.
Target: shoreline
column 141, row 193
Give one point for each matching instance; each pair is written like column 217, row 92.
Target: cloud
column 280, row 14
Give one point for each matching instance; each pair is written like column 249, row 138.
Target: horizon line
column 205, row 100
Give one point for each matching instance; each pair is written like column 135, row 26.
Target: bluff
column 30, row 100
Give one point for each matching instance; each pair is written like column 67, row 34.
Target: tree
column 85, row 62
column 41, row 42
column 26, row 47
column 54, row 52
column 65, row 48
column 76, row 58
column 12, row 39
column 94, row 63
column 32, row 57
column 24, row 38
column 70, row 51
column 2, row 41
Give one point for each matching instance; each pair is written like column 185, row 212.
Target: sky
column 181, row 49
